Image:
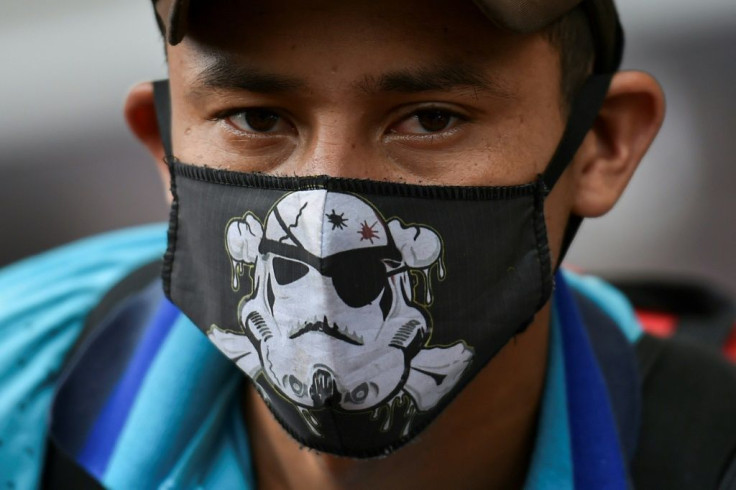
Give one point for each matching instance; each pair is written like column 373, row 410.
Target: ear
column 630, row 118
column 140, row 114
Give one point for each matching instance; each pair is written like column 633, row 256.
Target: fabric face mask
column 358, row 309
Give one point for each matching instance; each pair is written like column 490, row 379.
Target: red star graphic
column 367, row 232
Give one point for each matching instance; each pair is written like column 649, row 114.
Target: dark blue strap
column 597, row 457
column 618, row 363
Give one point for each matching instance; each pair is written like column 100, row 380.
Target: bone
column 420, row 246
column 435, row 371
column 243, row 237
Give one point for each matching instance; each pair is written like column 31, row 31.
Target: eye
column 428, row 121
column 287, row 271
column 258, row 120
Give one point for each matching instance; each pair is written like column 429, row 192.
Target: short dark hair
column 572, row 37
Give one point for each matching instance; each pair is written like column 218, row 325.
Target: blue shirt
column 152, row 403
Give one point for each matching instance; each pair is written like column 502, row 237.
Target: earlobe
column 625, row 128
column 140, row 114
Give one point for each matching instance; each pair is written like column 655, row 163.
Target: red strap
column 730, row 348
column 657, row 323
column 664, row 325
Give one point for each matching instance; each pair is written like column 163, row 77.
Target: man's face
column 415, row 91
column 423, row 92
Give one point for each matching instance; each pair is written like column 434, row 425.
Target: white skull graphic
column 332, row 318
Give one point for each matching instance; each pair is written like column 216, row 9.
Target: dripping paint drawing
column 338, row 315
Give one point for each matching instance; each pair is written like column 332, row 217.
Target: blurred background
column 69, row 167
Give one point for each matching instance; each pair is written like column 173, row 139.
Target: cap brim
column 514, row 15
column 523, row 16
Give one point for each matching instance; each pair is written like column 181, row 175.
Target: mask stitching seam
column 173, row 234
column 542, row 244
column 270, row 182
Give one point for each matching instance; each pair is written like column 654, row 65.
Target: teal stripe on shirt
column 610, row 300
column 186, row 388
column 218, row 456
column 551, row 466
column 43, row 303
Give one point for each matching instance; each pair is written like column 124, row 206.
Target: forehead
column 335, row 35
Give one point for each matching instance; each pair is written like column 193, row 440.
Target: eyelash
column 224, row 115
column 415, row 112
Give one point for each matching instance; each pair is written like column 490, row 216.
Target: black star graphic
column 337, row 220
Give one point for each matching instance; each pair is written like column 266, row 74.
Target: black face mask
column 360, row 309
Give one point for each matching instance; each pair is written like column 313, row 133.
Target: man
column 374, row 200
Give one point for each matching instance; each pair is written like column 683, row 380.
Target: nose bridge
column 338, row 145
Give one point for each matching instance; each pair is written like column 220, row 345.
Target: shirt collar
column 578, row 442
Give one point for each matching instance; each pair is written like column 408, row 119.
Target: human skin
column 331, row 115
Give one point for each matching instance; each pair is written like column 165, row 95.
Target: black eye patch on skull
column 358, row 276
column 357, row 282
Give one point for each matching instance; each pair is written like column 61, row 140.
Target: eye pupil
column 261, row 120
column 433, row 120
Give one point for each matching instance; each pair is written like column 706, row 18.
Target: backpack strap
column 687, row 309
column 617, row 360
column 689, row 412
column 60, row 469
column 688, row 435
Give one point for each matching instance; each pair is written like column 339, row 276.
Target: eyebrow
column 225, row 73
column 435, row 78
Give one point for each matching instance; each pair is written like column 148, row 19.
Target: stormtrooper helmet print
column 358, row 309
column 337, row 317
